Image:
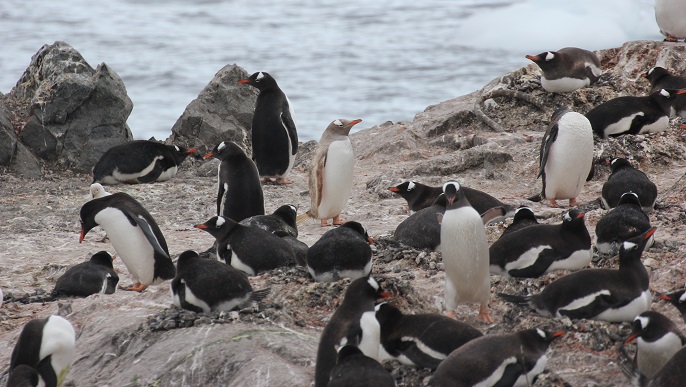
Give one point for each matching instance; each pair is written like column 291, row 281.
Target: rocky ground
column 132, row 339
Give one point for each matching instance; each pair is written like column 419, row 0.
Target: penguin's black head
column 633, row 247
column 574, row 216
column 287, row 212
column 103, row 258
column 544, row 60
column 217, row 226
column 357, row 227
column 406, row 189
column 546, row 336
column 654, row 74
column 260, row 80
column 342, row 126
column 366, row 287
column 23, row 375
column 453, row 194
column 87, row 217
column 618, row 163
column 387, row 314
column 186, row 257
column 629, row 198
column 346, row 351
column 224, row 150
column 180, row 153
column 524, row 212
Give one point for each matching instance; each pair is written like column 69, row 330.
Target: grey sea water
column 374, row 60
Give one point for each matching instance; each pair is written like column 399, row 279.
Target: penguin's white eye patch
column 629, row 245
column 372, row 282
column 644, row 322
column 221, row 146
column 651, row 71
column 410, row 186
column 338, row 122
column 683, row 297
column 220, row 221
column 540, row 332
column 664, row 93
column 568, row 217
column 549, row 56
column 259, row 76
column 177, row 148
column 295, row 209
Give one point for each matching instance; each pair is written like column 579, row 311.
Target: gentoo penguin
column 622, row 223
column 97, row 191
column 660, row 78
column 353, row 368
column 598, row 294
column 96, row 275
column 513, row 359
column 568, row 69
column 139, row 161
column 632, row 115
column 566, row 156
column 352, row 322
column 658, row 340
column 205, row 285
column 625, row 178
column 421, row 340
column 248, row 249
column 523, row 217
column 300, row 248
column 342, row 252
column 331, row 173
column 678, row 299
column 239, row 192
column 464, row 248
column 47, row 345
column 670, row 16
column 135, row 236
column 274, row 136
column 282, row 220
column 24, row 376
column 542, row 248
column 420, row 196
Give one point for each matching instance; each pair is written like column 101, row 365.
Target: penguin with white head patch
column 352, row 322
column 622, row 223
column 513, row 359
column 678, row 299
column 94, row 276
column 658, row 339
column 281, row 221
column 625, row 178
column 274, row 133
column 523, row 217
column 353, row 368
column 568, row 69
column 206, row 285
column 139, row 161
column 342, row 252
column 135, row 235
column 464, row 248
column 331, row 173
column 566, row 156
column 542, row 248
column 47, row 346
column 239, row 192
column 420, row 196
column 661, row 78
column 670, row 16
column 598, row 294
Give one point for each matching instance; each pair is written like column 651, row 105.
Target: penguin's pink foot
column 483, row 315
column 137, row 287
column 573, row 202
column 671, row 39
column 337, row 220
column 282, row 181
column 451, row 314
column 553, row 203
column 325, row 223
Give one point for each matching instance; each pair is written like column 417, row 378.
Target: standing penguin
column 274, row 136
column 96, row 275
column 661, row 78
column 352, row 322
column 239, row 192
column 670, row 16
column 658, row 339
column 331, row 173
column 568, row 69
column 46, row 345
column 622, row 223
column 282, row 221
column 464, row 248
column 625, row 178
column 513, row 359
column 139, row 161
column 566, row 156
column 342, row 252
column 135, row 236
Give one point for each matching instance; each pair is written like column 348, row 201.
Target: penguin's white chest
column 338, row 179
column 670, row 16
column 563, row 85
column 570, row 157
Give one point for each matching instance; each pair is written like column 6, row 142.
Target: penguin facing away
column 239, row 192
column 96, row 191
column 139, row 161
column 342, row 252
column 670, row 16
column 274, row 133
column 331, row 173
column 135, row 235
column 353, row 368
column 625, row 178
column 661, row 78
column 568, row 69
column 566, row 156
column 464, row 248
column 523, row 217
column 24, row 376
column 658, row 339
column 622, row 223
column 46, row 345
column 96, row 275
column 282, row 220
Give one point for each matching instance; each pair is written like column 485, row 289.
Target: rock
column 8, row 140
column 25, row 163
column 222, row 112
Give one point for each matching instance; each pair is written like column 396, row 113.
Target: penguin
column 206, row 285
column 598, row 294
column 97, row 191
column 420, row 340
column 139, row 161
column 566, row 156
column 523, row 217
column 274, row 133
column 678, row 299
column 632, row 115
column 282, row 220
column 46, row 345
column 248, row 249
column 135, row 235
column 352, row 322
column 661, row 78
column 342, row 252
column 24, row 376
column 300, row 248
column 672, row 373
column 513, row 359
column 464, row 248
column 624, row 222
column 567, row 69
column 625, row 178
column 353, row 368
column 658, row 339
column 670, row 16
column 239, row 192
column 331, row 173
column 542, row 248
column 94, row 276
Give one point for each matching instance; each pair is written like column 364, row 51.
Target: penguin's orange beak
column 532, row 57
column 682, row 126
column 354, row 122
column 192, row 150
column 385, row 294
column 394, row 189
column 200, row 226
column 208, row 155
column 370, row 240
column 581, row 215
column 644, row 75
column 650, row 233
column 682, row 91
column 631, row 338
column 244, row 81
column 664, row 297
column 83, row 235
column 559, row 333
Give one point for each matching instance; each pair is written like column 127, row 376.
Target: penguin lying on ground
column 567, row 69
column 658, row 339
column 282, row 221
column 343, row 252
column 625, row 178
column 96, row 275
column 598, row 294
column 523, row 218
column 353, row 368
column 420, row 196
column 660, row 78
column 139, row 161
column 622, row 223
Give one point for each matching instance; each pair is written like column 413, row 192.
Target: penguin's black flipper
column 152, row 175
column 548, row 140
column 149, row 234
column 591, row 173
column 259, row 295
column 289, row 123
column 492, row 213
column 519, row 300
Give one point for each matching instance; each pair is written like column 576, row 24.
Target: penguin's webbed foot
column 325, row 223
column 337, row 220
column 283, row 181
column 451, row 314
column 137, row 287
column 573, row 202
column 483, row 314
column 670, row 39
column 553, row 203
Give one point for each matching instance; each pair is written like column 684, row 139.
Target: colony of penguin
column 368, row 328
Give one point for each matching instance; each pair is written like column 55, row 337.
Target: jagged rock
column 222, row 112
column 8, row 140
column 25, row 163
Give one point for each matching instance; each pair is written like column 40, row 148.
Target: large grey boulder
column 222, row 112
column 14, row 154
column 8, row 140
column 76, row 112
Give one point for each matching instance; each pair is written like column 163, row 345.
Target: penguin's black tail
column 259, row 295
column 519, row 300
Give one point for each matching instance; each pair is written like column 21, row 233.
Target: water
column 374, row 60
